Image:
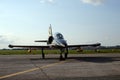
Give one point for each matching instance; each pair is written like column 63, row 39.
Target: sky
column 80, row 21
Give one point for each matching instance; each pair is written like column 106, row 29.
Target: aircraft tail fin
column 50, row 31
column 50, row 38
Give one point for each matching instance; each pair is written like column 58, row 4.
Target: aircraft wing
column 37, row 46
column 28, row 46
column 84, row 45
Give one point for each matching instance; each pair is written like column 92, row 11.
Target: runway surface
column 76, row 67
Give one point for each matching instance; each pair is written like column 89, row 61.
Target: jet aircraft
column 55, row 41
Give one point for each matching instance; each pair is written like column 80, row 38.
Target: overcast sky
column 80, row 21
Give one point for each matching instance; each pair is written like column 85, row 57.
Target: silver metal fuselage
column 58, row 41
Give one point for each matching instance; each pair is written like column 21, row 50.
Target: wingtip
column 10, row 46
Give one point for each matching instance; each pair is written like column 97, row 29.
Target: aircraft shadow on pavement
column 85, row 59
column 96, row 59
column 45, row 58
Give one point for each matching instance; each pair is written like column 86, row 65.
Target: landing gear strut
column 43, row 55
column 65, row 51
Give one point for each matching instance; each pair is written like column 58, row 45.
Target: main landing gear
column 43, row 55
column 63, row 50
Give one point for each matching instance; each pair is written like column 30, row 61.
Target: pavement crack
column 40, row 69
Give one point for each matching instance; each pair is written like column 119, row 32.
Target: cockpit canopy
column 59, row 36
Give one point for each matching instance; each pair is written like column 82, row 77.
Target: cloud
column 9, row 38
column 47, row 1
column 5, row 39
column 93, row 2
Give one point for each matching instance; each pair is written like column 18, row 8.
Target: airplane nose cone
column 63, row 43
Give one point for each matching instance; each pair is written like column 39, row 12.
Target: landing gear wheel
column 66, row 55
column 61, row 58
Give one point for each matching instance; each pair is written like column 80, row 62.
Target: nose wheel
column 65, row 51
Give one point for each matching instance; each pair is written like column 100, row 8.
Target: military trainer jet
column 55, row 41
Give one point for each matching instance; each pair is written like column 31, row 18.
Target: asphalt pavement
column 76, row 67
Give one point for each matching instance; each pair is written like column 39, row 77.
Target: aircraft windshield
column 59, row 36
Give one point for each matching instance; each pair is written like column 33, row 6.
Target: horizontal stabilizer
column 41, row 41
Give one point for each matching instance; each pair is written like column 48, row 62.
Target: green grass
column 34, row 52
column 103, row 51
column 20, row 52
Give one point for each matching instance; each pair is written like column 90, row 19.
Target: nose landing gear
column 65, row 51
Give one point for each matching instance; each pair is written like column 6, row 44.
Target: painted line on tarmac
column 31, row 70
